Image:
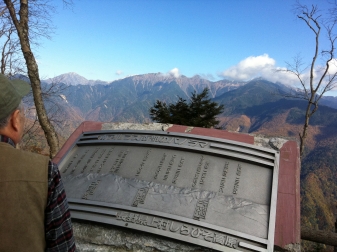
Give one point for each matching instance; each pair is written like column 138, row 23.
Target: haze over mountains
column 130, row 98
column 146, row 79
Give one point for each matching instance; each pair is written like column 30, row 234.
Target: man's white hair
column 5, row 121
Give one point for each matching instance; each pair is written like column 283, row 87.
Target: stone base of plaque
column 103, row 238
column 92, row 236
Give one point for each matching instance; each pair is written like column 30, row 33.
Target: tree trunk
column 22, row 28
column 303, row 136
column 325, row 237
column 335, row 247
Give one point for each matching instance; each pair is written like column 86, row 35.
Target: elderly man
column 34, row 214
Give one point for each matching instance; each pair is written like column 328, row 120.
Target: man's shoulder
column 35, row 159
column 34, row 155
column 23, row 163
column 8, row 148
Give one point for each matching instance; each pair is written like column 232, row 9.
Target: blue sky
column 108, row 40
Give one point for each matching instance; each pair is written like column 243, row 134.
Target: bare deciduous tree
column 322, row 78
column 52, row 94
column 11, row 61
column 31, row 18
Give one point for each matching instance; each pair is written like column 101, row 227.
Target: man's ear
column 15, row 120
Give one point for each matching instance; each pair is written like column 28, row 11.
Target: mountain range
column 129, row 99
column 73, row 79
column 257, row 106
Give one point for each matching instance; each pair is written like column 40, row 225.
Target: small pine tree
column 199, row 112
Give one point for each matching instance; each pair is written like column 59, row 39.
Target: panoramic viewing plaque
column 212, row 192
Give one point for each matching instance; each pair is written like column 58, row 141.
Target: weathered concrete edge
column 136, row 126
column 100, row 237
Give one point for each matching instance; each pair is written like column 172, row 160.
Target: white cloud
column 332, row 71
column 259, row 66
column 119, row 72
column 175, row 72
column 333, row 66
column 265, row 67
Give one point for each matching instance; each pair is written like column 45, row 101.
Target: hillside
column 250, row 109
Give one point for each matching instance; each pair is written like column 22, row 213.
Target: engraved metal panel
column 208, row 191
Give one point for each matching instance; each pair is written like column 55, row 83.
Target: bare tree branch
column 314, row 89
column 32, row 19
